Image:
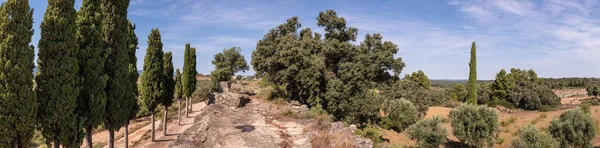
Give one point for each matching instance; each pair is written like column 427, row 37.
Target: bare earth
column 141, row 136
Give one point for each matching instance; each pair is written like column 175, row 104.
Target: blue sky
column 556, row 38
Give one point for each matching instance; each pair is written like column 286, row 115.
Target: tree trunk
column 153, row 140
column 111, row 138
column 191, row 104
column 56, row 142
column 165, row 121
column 16, row 142
column 179, row 113
column 187, row 108
column 88, row 134
column 126, row 135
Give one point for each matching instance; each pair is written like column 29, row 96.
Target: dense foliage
column 574, row 128
column 18, row 101
column 530, row 137
column 188, row 78
column 399, row 114
column 116, row 34
column 593, row 91
column 420, row 78
column 475, row 125
column 472, row 85
column 130, row 104
column 92, row 55
column 428, row 132
column 564, row 83
column 169, row 81
column 57, row 80
column 227, row 63
column 421, row 97
column 153, row 81
column 328, row 72
column 522, row 89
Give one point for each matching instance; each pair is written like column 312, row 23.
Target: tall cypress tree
column 178, row 93
column 188, row 79
column 152, row 85
column 472, row 86
column 132, row 88
column 115, row 39
column 57, row 80
column 92, row 97
column 169, row 87
column 18, row 102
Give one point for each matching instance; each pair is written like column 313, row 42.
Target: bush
column 532, row 96
column 400, row 114
column 573, row 128
column 475, row 125
column 370, row 132
column 529, row 137
column 421, row 97
column 428, row 132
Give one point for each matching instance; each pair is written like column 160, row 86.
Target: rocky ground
column 234, row 120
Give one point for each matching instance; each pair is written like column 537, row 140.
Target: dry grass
column 324, row 139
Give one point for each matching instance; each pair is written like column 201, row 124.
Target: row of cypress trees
column 86, row 75
column 86, row 72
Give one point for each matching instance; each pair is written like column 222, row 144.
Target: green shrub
column 370, row 132
column 401, row 113
column 573, row 128
column 529, row 137
column 475, row 125
column 428, row 132
column 500, row 140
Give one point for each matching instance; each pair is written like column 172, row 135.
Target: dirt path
column 139, row 131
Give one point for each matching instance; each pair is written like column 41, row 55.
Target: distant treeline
column 562, row 83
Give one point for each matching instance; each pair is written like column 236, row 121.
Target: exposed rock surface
column 233, row 120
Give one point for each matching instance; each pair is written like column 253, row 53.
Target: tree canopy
column 58, row 75
column 227, row 63
column 18, row 101
column 328, row 72
column 153, row 79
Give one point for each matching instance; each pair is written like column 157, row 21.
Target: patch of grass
column 500, row 140
column 324, row 139
column 372, row 133
column 542, row 116
column 100, row 144
column 508, row 121
column 546, row 108
column 288, row 113
column 37, row 140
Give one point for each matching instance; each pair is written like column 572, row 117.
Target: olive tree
column 474, row 125
column 428, row 132
column 530, row 137
column 573, row 128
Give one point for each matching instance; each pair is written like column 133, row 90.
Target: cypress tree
column 153, row 86
column 18, row 102
column 132, row 87
column 115, row 39
column 169, row 87
column 188, row 79
column 92, row 97
column 472, row 86
column 178, row 93
column 57, row 79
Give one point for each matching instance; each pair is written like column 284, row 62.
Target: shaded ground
column 139, row 131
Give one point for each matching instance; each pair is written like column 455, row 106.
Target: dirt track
column 139, row 131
